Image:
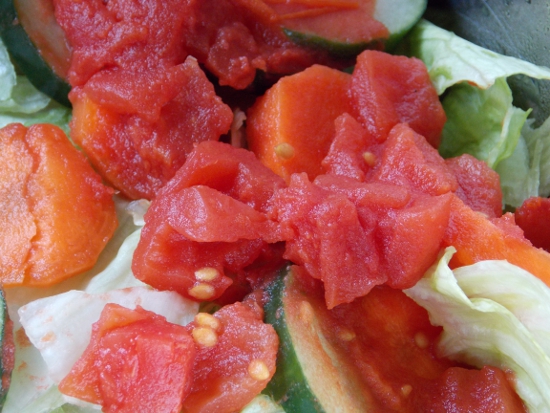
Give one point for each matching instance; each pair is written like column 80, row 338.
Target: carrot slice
column 290, row 128
column 56, row 214
column 478, row 238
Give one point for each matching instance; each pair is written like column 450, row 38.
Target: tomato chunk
column 325, row 235
column 136, row 361
column 350, row 151
column 387, row 90
column 477, row 238
column 478, row 184
column 200, row 251
column 411, row 238
column 235, row 359
column 139, row 146
column 533, row 217
column 408, row 160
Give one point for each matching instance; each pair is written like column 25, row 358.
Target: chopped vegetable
column 135, row 360
column 57, row 215
column 291, row 126
column 375, row 354
column 354, row 200
column 485, row 324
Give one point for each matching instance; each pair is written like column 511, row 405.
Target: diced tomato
column 478, row 184
column 349, row 151
column 235, row 359
column 468, row 390
column 477, row 238
column 139, row 146
column 136, row 361
column 411, row 238
column 233, row 171
column 325, row 236
column 387, row 90
column 408, row 160
column 236, row 37
column 207, row 228
column 533, row 217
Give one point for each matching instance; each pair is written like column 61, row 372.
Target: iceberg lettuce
column 452, row 60
column 75, row 303
column 482, row 120
column 492, row 313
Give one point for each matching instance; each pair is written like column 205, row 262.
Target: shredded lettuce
column 22, row 102
column 492, row 313
column 482, row 120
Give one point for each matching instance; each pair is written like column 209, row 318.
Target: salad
column 355, row 254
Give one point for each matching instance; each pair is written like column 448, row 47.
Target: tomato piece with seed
column 136, row 361
column 235, row 360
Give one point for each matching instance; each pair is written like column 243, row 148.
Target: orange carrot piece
column 478, row 238
column 56, row 214
column 290, row 128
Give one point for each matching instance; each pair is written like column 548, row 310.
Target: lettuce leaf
column 451, row 60
column 487, row 321
column 481, row 117
column 481, row 122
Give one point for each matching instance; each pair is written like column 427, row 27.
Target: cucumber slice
column 311, row 375
column 37, row 45
column 399, row 16
column 7, row 349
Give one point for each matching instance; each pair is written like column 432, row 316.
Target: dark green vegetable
column 399, row 16
column 25, row 53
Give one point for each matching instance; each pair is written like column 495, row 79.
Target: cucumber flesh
column 25, row 53
column 311, row 375
column 399, row 16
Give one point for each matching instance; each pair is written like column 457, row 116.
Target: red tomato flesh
column 387, row 90
column 230, row 373
column 533, row 217
column 136, row 361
